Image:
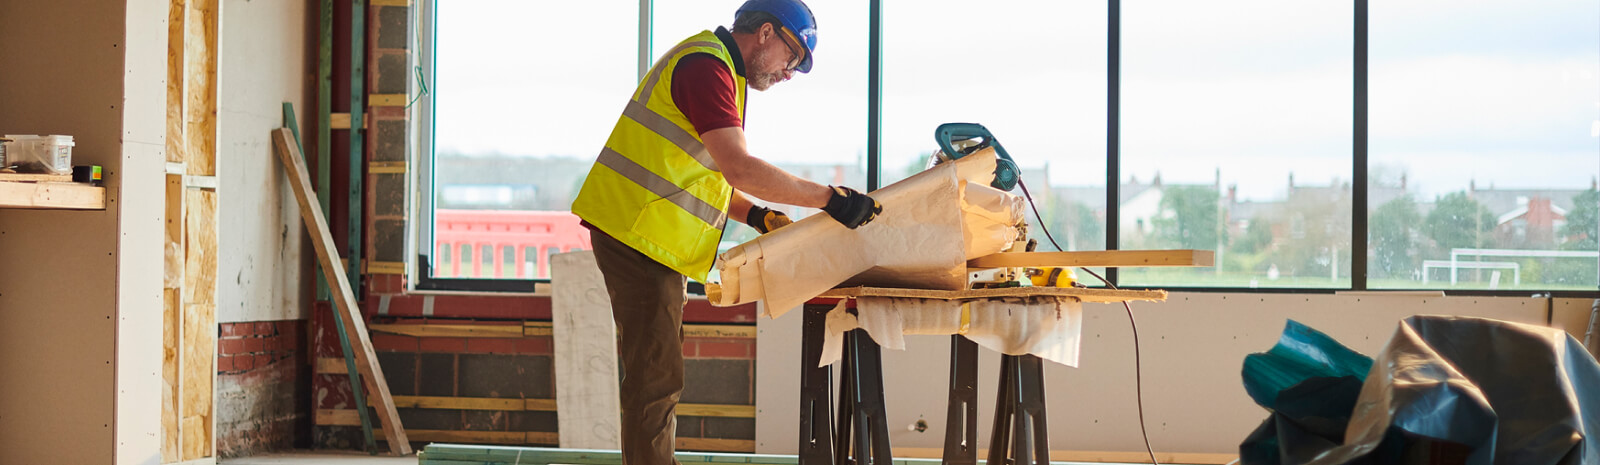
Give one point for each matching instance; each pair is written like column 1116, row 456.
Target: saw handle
column 1006, row 172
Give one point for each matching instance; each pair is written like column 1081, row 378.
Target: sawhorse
column 862, row 436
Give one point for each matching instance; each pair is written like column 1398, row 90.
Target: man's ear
column 767, row 31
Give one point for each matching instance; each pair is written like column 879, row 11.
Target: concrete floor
column 320, row 457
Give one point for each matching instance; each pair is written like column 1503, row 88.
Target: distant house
column 1525, row 218
column 1532, row 224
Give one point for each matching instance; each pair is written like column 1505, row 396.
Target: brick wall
column 263, row 401
column 719, row 371
column 501, row 390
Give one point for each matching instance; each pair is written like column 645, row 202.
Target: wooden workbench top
column 1083, row 294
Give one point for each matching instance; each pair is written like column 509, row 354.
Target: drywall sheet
column 263, row 62
column 585, row 354
column 1048, row 327
column 931, row 224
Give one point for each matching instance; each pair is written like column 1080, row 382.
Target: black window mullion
column 1358, row 219
column 1113, row 127
column 874, row 94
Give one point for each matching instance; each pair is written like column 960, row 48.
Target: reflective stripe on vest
column 661, row 187
column 654, row 185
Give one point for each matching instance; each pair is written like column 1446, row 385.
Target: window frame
column 424, row 213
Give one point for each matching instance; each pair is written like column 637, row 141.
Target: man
column 674, row 169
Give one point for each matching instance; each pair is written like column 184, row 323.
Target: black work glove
column 766, row 219
column 850, row 208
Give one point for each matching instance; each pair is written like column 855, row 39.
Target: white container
column 40, row 154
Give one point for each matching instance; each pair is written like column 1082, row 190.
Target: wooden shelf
column 51, row 195
column 30, row 177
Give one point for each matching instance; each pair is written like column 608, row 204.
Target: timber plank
column 1100, row 258
column 534, row 405
column 1083, row 294
column 431, row 330
column 33, row 177
column 354, row 326
column 52, row 195
column 715, row 410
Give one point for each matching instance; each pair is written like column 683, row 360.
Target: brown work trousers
column 647, row 303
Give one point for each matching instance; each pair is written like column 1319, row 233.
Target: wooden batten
column 386, row 167
column 1082, row 294
column 717, row 445
column 514, row 405
column 338, row 121
column 345, row 304
column 384, row 267
column 493, row 331
column 386, row 100
column 1099, row 258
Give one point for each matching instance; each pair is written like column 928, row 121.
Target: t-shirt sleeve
column 702, row 86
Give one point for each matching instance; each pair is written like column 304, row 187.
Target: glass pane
column 1237, row 138
column 1485, row 123
column 813, row 126
column 518, row 123
column 1046, row 107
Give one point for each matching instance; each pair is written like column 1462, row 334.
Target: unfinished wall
column 264, row 62
column 80, row 291
column 266, row 59
column 1193, row 348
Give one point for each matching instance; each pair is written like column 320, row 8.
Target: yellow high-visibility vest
column 654, row 185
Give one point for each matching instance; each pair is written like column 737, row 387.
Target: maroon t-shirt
column 702, row 88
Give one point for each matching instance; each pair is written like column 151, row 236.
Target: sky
column 1503, row 92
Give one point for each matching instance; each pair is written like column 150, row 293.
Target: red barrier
column 495, row 233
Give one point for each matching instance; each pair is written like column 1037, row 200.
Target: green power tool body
column 1006, row 172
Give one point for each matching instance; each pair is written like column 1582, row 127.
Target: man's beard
column 764, row 81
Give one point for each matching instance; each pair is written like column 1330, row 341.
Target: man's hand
column 850, row 208
column 766, row 219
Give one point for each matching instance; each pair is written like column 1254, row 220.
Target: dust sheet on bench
column 1048, row 327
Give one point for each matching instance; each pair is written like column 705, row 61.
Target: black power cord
column 1138, row 389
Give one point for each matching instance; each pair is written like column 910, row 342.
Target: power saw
column 949, row 135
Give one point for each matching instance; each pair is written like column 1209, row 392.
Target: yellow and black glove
column 766, row 219
column 851, row 208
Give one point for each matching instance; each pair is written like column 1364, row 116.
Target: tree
column 1257, row 237
column 1582, row 221
column 1188, row 217
column 1459, row 221
column 1391, row 228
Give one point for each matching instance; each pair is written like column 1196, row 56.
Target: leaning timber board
column 1083, row 294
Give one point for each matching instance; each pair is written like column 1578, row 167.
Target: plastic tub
column 40, row 154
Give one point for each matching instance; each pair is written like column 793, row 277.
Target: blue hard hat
column 796, row 17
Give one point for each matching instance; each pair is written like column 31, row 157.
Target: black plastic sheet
column 1455, row 390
